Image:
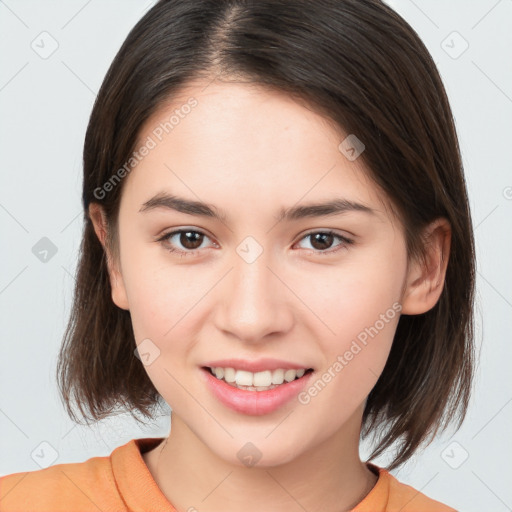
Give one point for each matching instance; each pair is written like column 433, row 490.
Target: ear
column 425, row 279
column 99, row 221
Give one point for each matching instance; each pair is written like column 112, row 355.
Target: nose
column 253, row 301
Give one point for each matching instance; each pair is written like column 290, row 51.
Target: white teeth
column 278, row 376
column 290, row 375
column 244, row 378
column 229, row 374
column 264, row 379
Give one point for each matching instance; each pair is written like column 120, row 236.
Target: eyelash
column 345, row 242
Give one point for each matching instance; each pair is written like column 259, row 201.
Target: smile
column 257, row 381
column 255, row 393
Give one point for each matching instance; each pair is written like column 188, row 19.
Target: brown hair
column 360, row 65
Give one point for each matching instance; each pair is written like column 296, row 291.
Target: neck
column 330, row 477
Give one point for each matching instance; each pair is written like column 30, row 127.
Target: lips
column 255, row 400
column 259, row 365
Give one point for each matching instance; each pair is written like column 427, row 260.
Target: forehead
column 227, row 142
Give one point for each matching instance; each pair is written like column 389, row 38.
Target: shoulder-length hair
column 360, row 65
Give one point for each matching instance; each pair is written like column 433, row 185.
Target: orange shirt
column 121, row 482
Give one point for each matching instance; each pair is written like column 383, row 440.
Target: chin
column 259, row 452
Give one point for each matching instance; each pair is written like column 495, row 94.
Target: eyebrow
column 335, row 206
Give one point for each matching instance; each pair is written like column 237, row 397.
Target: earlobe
column 425, row 279
column 99, row 221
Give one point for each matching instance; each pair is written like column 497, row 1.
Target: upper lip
column 254, row 366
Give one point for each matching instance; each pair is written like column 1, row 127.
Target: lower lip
column 255, row 403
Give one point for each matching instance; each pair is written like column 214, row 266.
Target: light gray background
column 44, row 109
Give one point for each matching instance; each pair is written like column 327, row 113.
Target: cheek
column 358, row 305
column 362, row 322
column 159, row 292
column 354, row 294
column 162, row 311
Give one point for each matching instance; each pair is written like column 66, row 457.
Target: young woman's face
column 247, row 285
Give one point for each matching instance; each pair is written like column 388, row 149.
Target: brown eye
column 184, row 241
column 322, row 241
column 190, row 239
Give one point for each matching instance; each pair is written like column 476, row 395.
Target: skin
column 250, row 151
